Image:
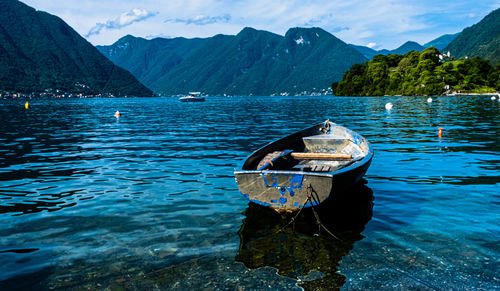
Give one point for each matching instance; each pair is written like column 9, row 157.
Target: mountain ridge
column 252, row 62
column 479, row 40
column 40, row 52
column 441, row 42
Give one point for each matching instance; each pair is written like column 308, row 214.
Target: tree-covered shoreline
column 418, row 73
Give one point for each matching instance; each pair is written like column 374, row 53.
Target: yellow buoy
column 27, row 105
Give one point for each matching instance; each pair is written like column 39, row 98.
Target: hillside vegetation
column 480, row 40
column 253, row 62
column 418, row 73
column 40, row 52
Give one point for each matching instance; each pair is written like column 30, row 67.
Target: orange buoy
column 440, row 132
column 117, row 114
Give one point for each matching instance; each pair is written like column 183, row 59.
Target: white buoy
column 493, row 98
column 388, row 106
column 429, row 100
column 117, row 114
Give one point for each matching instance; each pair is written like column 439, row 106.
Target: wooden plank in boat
column 320, row 156
column 326, row 168
column 320, row 168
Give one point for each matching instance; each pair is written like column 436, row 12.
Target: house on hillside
column 445, row 57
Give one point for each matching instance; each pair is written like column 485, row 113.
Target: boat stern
column 284, row 191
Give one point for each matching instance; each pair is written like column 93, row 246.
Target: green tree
column 417, row 74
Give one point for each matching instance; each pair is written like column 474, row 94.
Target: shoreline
column 80, row 95
column 473, row 94
column 454, row 94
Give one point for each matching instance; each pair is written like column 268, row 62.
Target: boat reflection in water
column 301, row 250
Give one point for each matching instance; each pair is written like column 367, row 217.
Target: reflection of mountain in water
column 298, row 250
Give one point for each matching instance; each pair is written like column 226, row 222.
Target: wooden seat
column 321, row 168
column 321, row 156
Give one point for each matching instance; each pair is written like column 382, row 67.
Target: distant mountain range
column 369, row 53
column 440, row 43
column 40, row 52
column 304, row 61
column 480, row 40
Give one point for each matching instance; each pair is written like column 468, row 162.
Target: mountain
column 39, row 52
column 481, row 39
column 307, row 59
column 369, row 53
column 254, row 62
column 441, row 42
column 222, row 65
column 148, row 60
column 408, row 47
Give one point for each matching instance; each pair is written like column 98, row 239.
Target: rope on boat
column 315, row 196
column 312, row 196
column 326, row 126
column 308, row 198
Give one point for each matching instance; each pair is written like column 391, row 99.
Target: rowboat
column 305, row 168
column 192, row 97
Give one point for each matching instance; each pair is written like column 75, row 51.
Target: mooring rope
column 308, row 198
column 311, row 195
column 318, row 221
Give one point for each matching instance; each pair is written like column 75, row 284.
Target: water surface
column 149, row 201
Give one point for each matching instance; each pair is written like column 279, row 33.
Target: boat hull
column 192, row 99
column 291, row 191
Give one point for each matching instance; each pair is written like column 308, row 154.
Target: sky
column 377, row 23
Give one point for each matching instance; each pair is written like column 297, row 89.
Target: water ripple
column 104, row 199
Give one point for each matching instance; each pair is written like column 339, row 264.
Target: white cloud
column 126, row 19
column 160, row 35
column 202, row 19
column 388, row 23
column 372, row 44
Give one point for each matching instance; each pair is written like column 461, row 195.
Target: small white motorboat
column 192, row 97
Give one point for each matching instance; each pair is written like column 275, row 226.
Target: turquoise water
column 149, row 201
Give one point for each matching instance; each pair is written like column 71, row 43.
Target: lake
column 149, row 201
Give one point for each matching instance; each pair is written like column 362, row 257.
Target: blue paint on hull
column 295, row 183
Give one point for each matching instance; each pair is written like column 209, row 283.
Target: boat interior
column 324, row 152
